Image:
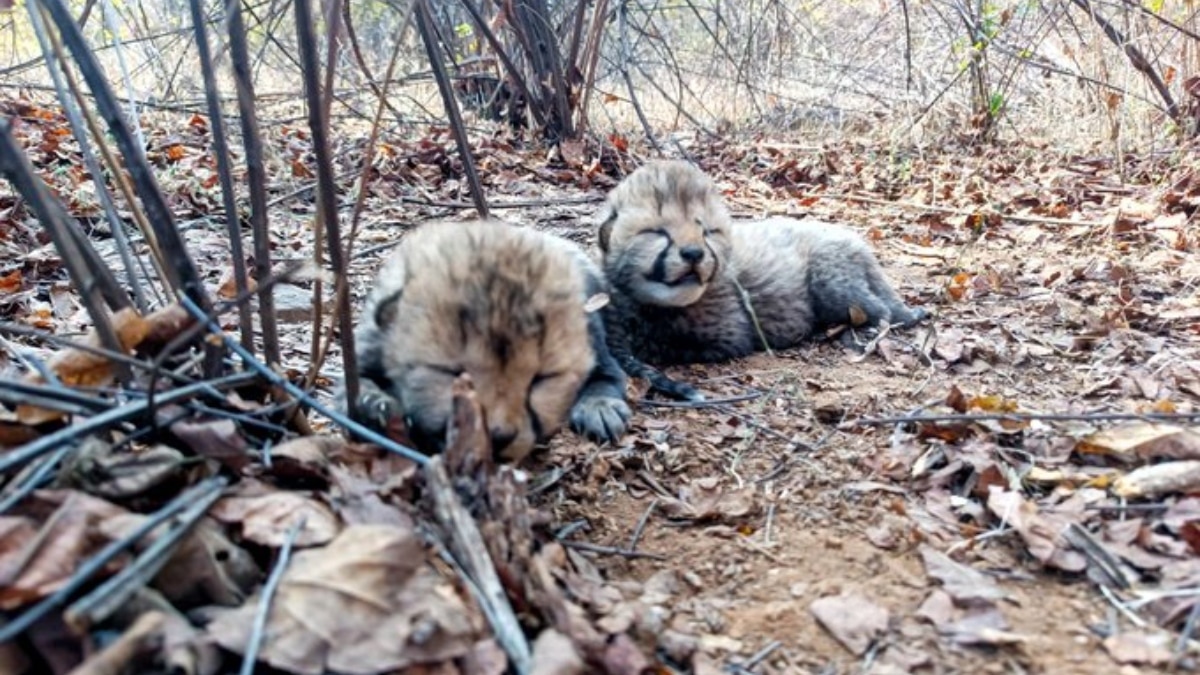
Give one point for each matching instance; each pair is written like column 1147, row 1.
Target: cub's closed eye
column 542, row 377
column 658, row 232
column 452, row 371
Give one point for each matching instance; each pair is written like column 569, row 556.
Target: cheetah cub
column 505, row 304
column 684, row 278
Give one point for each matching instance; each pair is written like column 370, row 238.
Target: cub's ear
column 606, row 218
column 385, row 310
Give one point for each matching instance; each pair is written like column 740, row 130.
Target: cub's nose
column 502, row 438
column 692, row 254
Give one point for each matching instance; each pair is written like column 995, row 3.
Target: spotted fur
column 678, row 267
column 505, row 304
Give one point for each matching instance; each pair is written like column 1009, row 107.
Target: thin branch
column 256, row 177
column 1024, row 417
column 224, row 171
column 48, row 443
column 263, row 611
column 326, row 190
column 1136, row 58
column 426, row 28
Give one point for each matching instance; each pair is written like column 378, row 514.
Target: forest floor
column 802, row 528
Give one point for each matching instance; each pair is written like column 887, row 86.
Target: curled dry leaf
column 366, row 603
column 1144, row 441
column 45, row 539
column 219, row 439
column 305, row 459
column 706, row 500
column 1159, row 479
column 266, row 518
column 852, row 619
column 78, row 368
column 963, row 583
column 96, row 469
column 1042, row 532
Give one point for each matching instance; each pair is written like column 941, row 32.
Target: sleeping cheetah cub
column 505, row 304
column 682, row 274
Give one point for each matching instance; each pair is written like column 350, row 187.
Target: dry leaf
column 206, row 568
column 95, row 468
column 45, row 539
column 365, row 604
column 1158, row 479
column 555, row 654
column 77, row 368
column 705, row 499
column 219, row 439
column 1139, row 647
column 1145, row 440
column 851, row 619
column 265, row 519
column 1042, row 532
column 963, row 583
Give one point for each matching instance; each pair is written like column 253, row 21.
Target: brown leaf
column 219, row 439
column 623, row 657
column 164, row 325
column 982, row 626
column 1139, row 647
column 77, row 368
column 265, row 519
column 963, row 583
column 1042, row 532
column 135, row 649
column 95, row 468
column 305, row 458
column 44, row 540
column 485, row 658
column 300, row 170
column 1145, row 440
column 206, row 568
column 555, row 654
column 11, row 282
column 705, row 499
column 573, row 152
column 1159, row 479
column 950, row 345
column 852, row 619
column 956, row 399
column 228, row 287
column 937, row 609
column 366, row 603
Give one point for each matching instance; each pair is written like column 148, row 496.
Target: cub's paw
column 919, row 314
column 680, row 391
column 378, row 411
column 600, row 418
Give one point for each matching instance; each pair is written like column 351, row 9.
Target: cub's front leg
column 600, row 412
